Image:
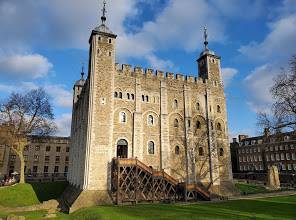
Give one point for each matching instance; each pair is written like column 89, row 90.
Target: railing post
column 118, row 173
column 136, row 184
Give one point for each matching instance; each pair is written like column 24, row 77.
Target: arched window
column 151, row 147
column 200, row 151
column 143, row 98
column 115, row 94
column 147, row 98
column 177, row 150
column 175, row 105
column 197, row 106
column 150, row 120
column 128, row 96
column 133, row 96
column 122, row 117
column 219, row 127
column 198, row 125
column 218, row 108
column 120, row 95
column 221, row 152
column 176, row 123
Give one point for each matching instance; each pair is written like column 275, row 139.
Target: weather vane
column 82, row 68
column 206, row 38
column 103, row 18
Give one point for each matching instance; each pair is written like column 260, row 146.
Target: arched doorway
column 122, row 148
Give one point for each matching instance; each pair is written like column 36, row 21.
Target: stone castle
column 170, row 122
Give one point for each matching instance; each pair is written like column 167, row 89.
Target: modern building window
column 58, row 149
column 151, row 147
column 175, row 104
column 177, row 150
column 201, row 151
column 221, row 152
column 47, row 148
column 67, row 158
column 35, row 169
column 66, row 169
column 218, row 109
column 45, row 169
column 122, row 117
column 36, row 157
column 282, row 156
column 46, row 158
column 67, row 149
column 56, row 169
column 57, row 159
column 176, row 123
column 150, row 120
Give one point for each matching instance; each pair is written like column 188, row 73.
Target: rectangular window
column 26, row 148
column 58, row 149
column 288, row 156
column 259, row 149
column 293, row 156
column 67, row 149
column 56, row 169
column 66, row 169
column 36, row 157
column 57, row 159
column 35, row 169
column 26, row 157
column 37, row 148
column 47, row 148
column 46, row 158
column 12, row 157
column 45, row 169
column 67, row 158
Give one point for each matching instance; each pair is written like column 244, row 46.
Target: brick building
column 258, row 153
column 45, row 158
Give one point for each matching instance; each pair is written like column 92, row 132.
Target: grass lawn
column 269, row 208
column 30, row 194
column 245, row 188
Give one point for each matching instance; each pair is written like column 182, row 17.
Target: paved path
column 264, row 195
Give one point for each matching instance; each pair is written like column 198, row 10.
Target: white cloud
column 278, row 44
column 159, row 64
column 61, row 96
column 228, row 74
column 30, row 66
column 258, row 84
column 63, row 123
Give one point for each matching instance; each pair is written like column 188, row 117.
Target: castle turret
column 209, row 63
column 78, row 86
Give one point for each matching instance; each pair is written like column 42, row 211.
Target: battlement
column 127, row 70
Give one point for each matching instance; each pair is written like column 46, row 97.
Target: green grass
column 245, row 188
column 34, row 215
column 48, row 190
column 269, row 208
column 30, row 194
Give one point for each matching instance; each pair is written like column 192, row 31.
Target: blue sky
column 42, row 43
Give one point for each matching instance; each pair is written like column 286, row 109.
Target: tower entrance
column 122, row 148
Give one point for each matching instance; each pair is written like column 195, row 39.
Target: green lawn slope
column 30, row 194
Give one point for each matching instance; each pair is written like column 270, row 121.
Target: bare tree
column 22, row 115
column 284, row 108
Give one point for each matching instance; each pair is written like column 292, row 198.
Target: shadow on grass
column 48, row 190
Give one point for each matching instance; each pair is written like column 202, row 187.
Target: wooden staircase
column 133, row 181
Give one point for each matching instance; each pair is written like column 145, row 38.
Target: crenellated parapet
column 139, row 72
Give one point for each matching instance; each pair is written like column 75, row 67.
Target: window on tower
column 110, row 41
column 122, row 117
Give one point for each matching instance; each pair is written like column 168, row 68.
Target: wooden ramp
column 133, row 182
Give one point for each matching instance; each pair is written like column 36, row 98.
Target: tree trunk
column 22, row 168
